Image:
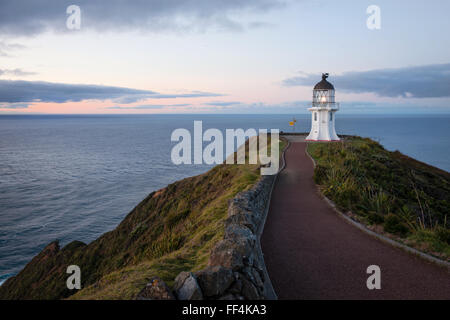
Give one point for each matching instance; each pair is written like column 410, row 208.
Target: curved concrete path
column 312, row 253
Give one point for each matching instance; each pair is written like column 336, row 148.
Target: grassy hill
column 170, row 231
column 388, row 191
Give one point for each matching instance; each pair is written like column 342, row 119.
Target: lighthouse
column 323, row 112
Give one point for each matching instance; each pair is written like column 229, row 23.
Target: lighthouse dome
column 324, row 84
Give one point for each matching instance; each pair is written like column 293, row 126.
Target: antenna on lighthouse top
column 325, row 76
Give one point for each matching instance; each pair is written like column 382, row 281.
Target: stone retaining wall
column 236, row 269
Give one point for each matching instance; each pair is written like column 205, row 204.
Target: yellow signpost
column 292, row 124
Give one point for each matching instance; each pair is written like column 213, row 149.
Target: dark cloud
column 24, row 17
column 20, row 91
column 431, row 81
column 38, row 91
column 259, row 24
column 16, row 72
column 18, row 105
column 131, row 98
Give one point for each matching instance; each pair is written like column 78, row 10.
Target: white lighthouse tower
column 323, row 109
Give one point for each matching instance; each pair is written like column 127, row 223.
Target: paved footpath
column 312, row 253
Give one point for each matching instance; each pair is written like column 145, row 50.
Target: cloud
column 21, row 91
column 193, row 94
column 12, row 91
column 136, row 107
column 7, row 47
column 139, row 97
column 259, row 24
column 430, row 81
column 149, row 106
column 16, row 72
column 18, row 105
column 259, row 107
column 132, row 98
column 23, row 17
column 222, row 103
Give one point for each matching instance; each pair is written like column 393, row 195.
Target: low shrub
column 375, row 218
column 320, row 174
column 393, row 224
column 443, row 234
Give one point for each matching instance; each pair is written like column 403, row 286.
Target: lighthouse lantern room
column 323, row 109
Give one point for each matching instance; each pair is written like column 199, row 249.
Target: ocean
column 75, row 177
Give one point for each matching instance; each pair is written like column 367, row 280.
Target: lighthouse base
column 322, row 137
column 322, row 125
column 311, row 140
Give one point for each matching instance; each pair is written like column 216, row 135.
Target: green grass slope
column 388, row 191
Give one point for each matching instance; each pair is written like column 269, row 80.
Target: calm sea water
column 76, row 177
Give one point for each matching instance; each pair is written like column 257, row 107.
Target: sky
column 222, row 56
